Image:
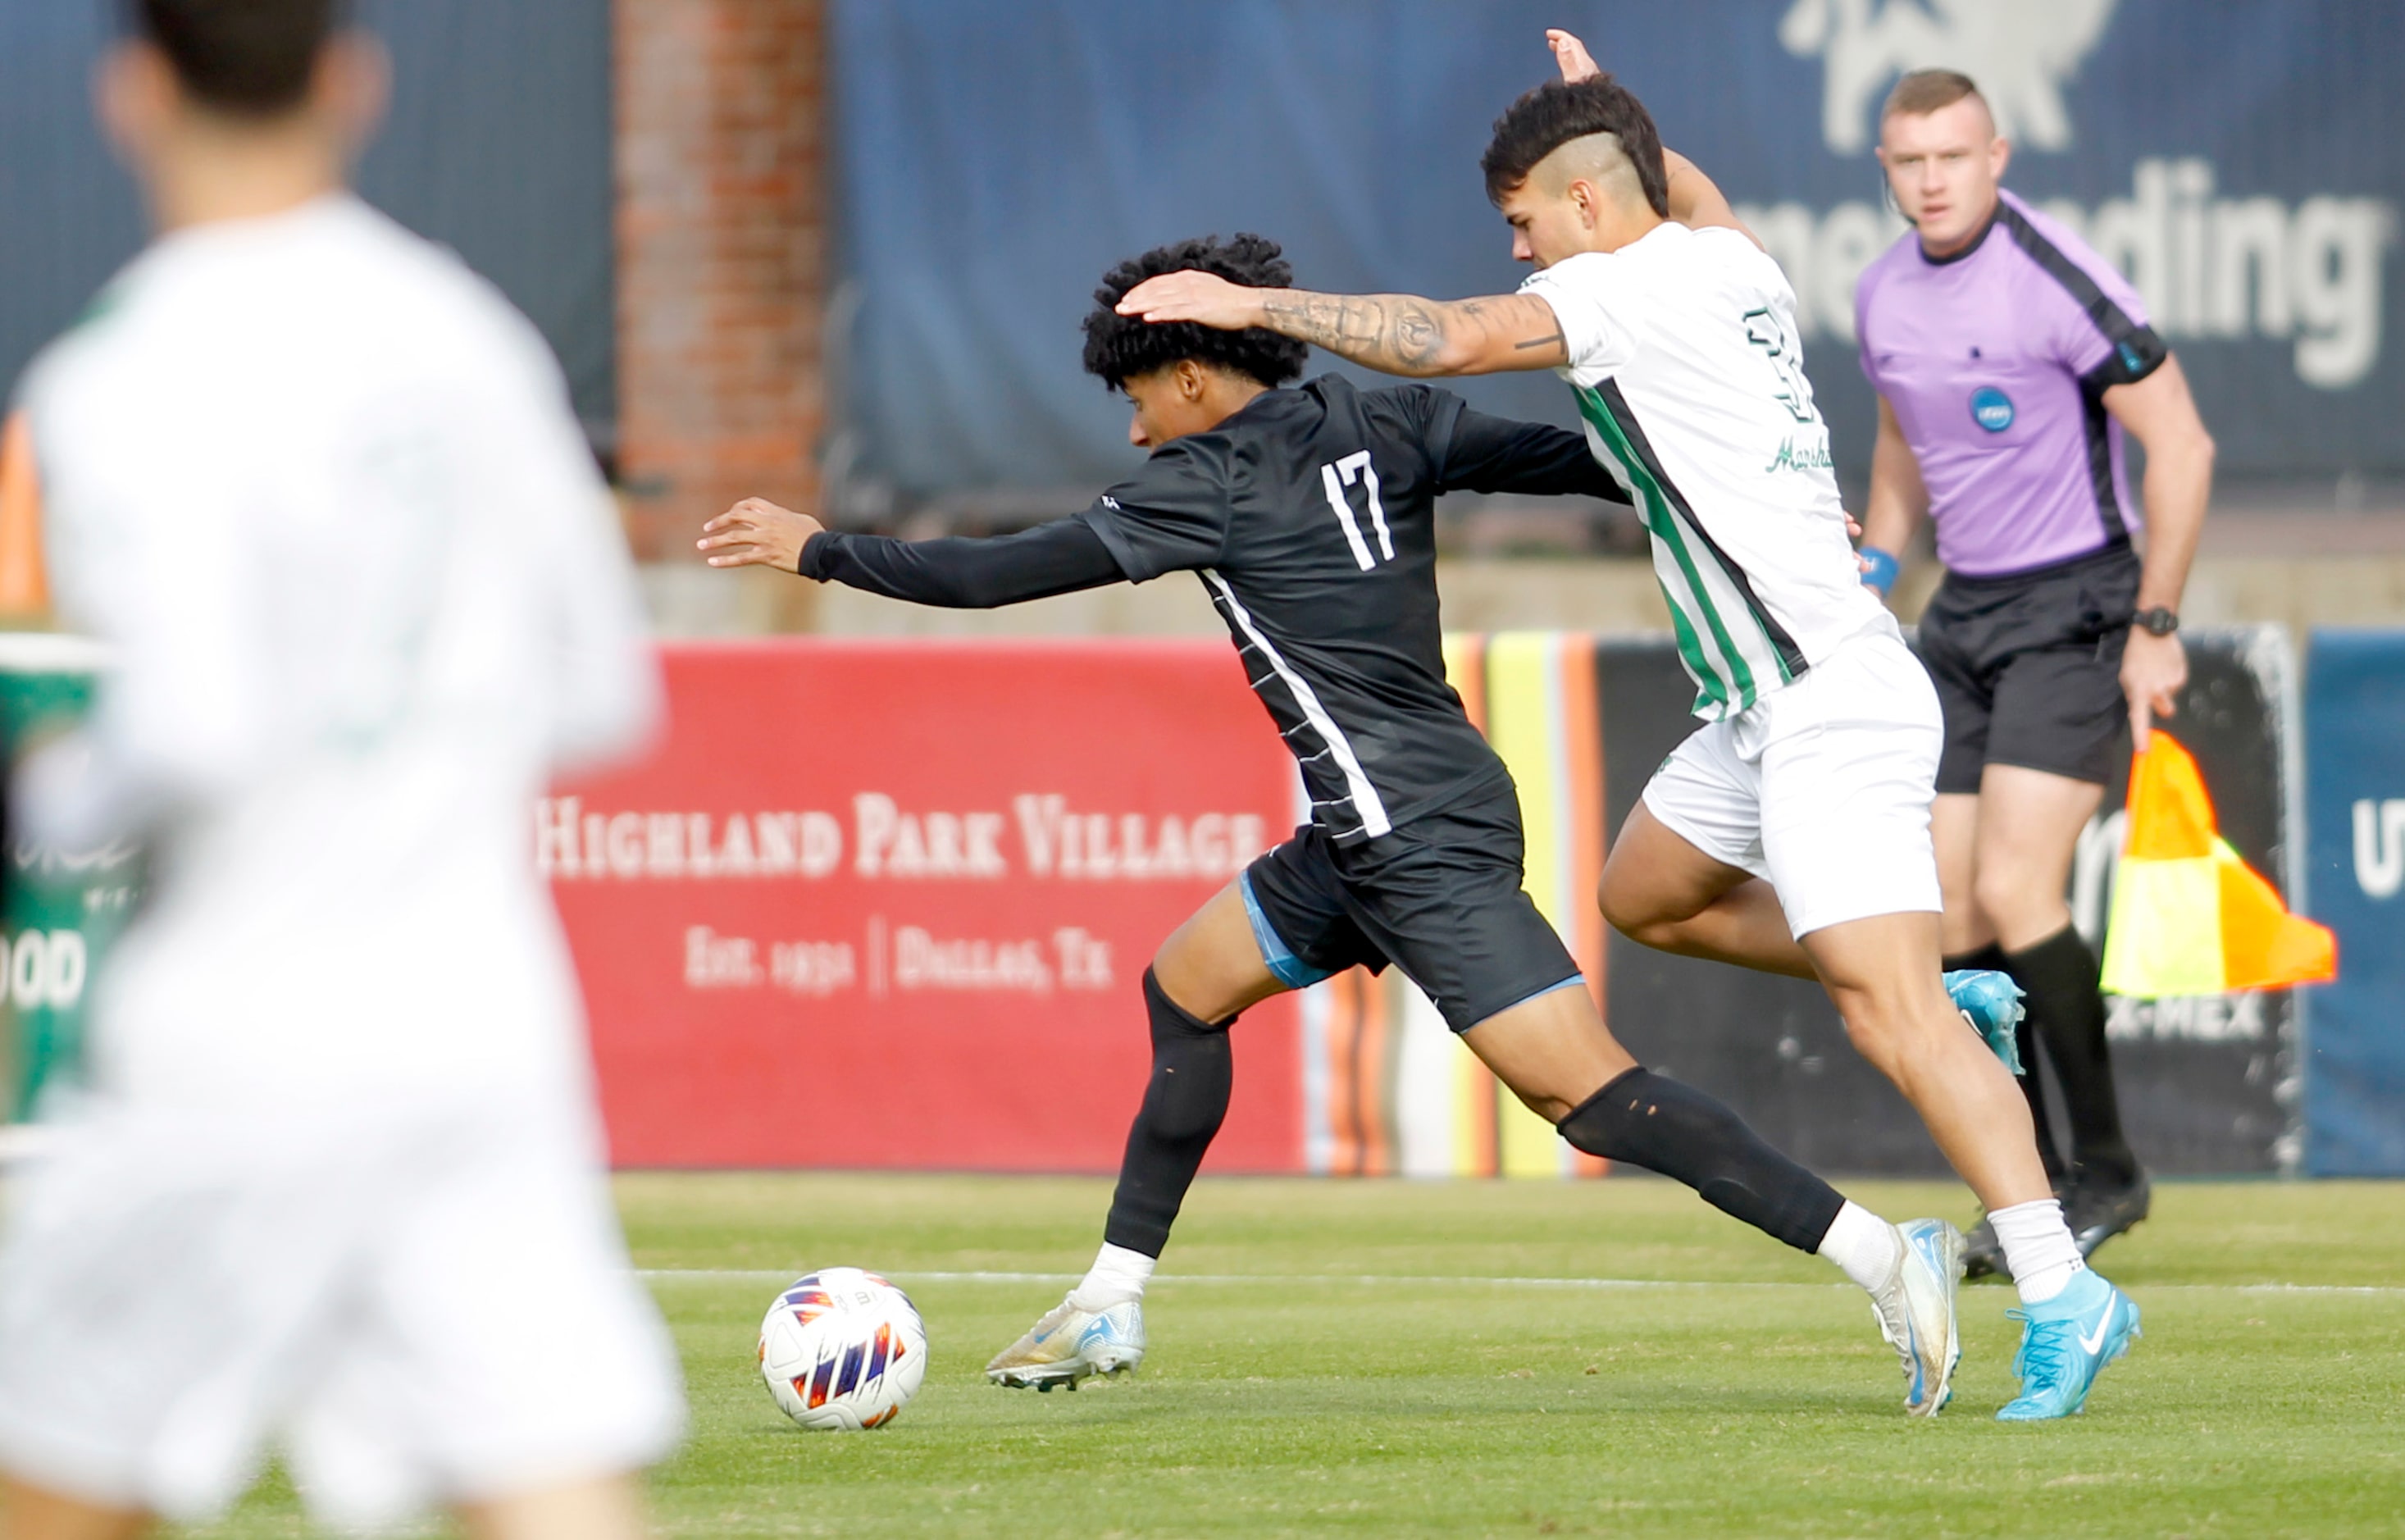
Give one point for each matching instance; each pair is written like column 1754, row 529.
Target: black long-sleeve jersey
column 1309, row 516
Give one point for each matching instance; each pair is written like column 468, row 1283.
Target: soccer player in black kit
column 1309, row 514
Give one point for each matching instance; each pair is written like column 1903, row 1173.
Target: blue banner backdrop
column 497, row 145
column 2355, row 813
column 2245, row 161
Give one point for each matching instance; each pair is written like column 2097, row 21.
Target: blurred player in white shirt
column 336, row 1187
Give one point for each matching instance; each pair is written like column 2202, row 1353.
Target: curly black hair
column 1119, row 348
column 1558, row 111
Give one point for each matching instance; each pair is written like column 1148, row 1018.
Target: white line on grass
column 1369, row 1278
column 672, row 1275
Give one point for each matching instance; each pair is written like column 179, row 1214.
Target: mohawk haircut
column 1121, row 347
column 246, row 58
column 1926, row 90
column 1558, row 111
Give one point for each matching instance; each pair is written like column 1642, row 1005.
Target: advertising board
column 890, row 904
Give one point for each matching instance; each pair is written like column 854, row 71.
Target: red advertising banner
column 890, row 903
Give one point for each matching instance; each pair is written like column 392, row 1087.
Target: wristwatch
column 2156, row 621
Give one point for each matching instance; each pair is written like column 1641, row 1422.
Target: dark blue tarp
column 2247, row 158
column 497, row 145
column 2354, row 811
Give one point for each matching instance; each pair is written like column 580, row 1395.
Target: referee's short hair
column 1923, row 92
column 1544, row 120
column 246, row 58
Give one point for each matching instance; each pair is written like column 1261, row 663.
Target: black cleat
column 2097, row 1213
column 1981, row 1252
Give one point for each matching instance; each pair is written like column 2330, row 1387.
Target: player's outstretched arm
column 1393, row 333
column 1489, row 454
column 1695, row 201
column 755, row 532
column 953, row 573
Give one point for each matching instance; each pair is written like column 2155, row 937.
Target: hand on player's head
column 1202, row 297
column 1571, row 55
column 756, row 533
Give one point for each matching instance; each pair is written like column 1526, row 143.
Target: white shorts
column 1823, row 788
column 433, row 1306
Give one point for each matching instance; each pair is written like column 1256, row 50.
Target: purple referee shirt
column 1996, row 361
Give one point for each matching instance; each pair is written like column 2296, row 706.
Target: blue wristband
column 1879, row 568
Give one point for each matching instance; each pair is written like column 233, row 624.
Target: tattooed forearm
column 1393, row 332
column 1404, row 334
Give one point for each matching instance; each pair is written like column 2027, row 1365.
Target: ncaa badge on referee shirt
column 1992, row 409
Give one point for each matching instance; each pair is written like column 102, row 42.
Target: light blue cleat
column 1992, row 1003
column 1915, row 1308
column 1070, row 1343
column 2065, row 1343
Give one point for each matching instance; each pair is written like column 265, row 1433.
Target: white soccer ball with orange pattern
column 843, row 1349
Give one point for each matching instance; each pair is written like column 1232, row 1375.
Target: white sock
column 1863, row 1244
column 1116, row 1277
column 2039, row 1251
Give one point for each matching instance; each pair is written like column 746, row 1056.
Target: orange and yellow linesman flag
column 2188, row 916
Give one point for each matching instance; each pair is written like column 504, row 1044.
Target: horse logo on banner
column 2022, row 53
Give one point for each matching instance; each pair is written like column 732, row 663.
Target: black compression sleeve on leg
column 2067, row 1008
column 2025, row 1040
column 1646, row 1120
column 1192, row 1071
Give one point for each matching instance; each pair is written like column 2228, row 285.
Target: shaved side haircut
column 1560, row 112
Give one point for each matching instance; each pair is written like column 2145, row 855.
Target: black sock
column 1990, row 957
column 2032, row 1082
column 1657, row 1123
column 2066, row 1006
column 1182, row 1106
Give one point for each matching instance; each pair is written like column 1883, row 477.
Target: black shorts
column 1438, row 898
column 2028, row 668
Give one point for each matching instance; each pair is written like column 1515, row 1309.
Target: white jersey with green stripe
column 1684, row 361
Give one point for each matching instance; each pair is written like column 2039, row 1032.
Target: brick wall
column 721, row 258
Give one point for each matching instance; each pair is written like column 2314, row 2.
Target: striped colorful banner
column 1387, row 1088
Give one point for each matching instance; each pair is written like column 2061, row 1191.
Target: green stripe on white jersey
column 1682, row 357
column 1725, row 639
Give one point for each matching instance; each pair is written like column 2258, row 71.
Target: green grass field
column 1404, row 1358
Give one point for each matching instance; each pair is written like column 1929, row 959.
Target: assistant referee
column 2009, row 358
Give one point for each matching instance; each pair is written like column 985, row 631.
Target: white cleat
column 1069, row 1344
column 1915, row 1308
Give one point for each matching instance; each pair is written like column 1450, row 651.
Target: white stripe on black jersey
column 1361, row 801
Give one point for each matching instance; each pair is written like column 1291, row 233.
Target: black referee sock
column 1646, row 1120
column 2025, row 1039
column 2067, row 1006
column 1192, row 1071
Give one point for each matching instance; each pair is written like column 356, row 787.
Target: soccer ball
column 843, row 1349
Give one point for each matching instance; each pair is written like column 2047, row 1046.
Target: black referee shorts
column 1438, row 898
column 2028, row 668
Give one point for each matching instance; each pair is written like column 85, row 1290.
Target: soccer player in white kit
column 336, row 1187
column 1792, row 832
